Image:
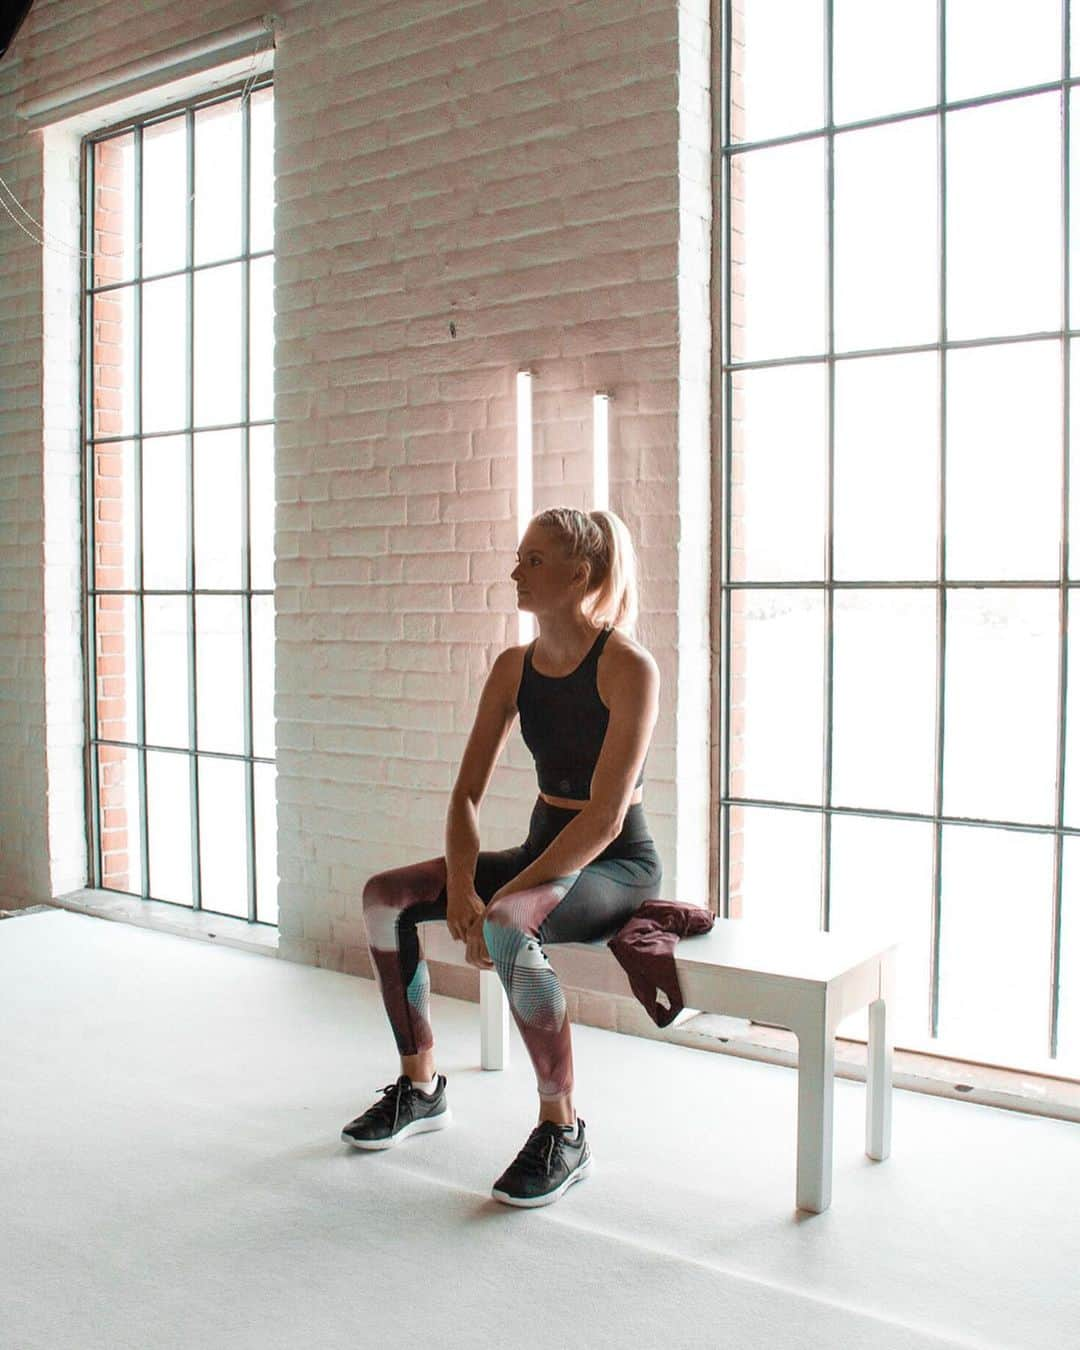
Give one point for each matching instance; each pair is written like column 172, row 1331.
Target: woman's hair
column 602, row 540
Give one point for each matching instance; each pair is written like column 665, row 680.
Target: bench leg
column 879, row 1067
column 494, row 1022
column 813, row 1169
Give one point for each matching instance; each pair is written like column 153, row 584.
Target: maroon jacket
column 645, row 948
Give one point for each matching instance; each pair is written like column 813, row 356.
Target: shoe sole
column 421, row 1126
column 531, row 1202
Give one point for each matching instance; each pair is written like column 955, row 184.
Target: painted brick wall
column 513, row 169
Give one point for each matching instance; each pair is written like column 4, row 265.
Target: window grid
column 136, row 437
column 829, row 585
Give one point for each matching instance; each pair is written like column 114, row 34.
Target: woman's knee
column 400, row 887
column 380, row 889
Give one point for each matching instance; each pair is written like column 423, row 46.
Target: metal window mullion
column 140, row 663
column 939, row 729
column 89, row 532
column 920, row 817
column 727, row 394
column 171, row 111
column 1063, row 599
column 830, row 416
column 211, row 590
column 906, row 115
column 189, row 441
column 235, row 755
column 181, row 271
column 968, row 583
column 172, row 432
column 911, row 349
column 245, row 496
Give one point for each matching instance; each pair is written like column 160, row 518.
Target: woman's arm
column 491, row 727
column 462, row 842
column 576, row 844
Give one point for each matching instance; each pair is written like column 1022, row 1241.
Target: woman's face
column 543, row 576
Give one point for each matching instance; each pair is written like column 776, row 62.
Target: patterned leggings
column 589, row 905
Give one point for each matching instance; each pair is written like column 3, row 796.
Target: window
column 900, row 668
column 180, row 504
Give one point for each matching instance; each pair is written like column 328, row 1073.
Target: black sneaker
column 551, row 1159
column 402, row 1111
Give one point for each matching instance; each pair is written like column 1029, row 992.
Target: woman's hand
column 476, row 952
column 463, row 908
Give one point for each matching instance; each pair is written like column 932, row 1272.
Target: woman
column 588, row 697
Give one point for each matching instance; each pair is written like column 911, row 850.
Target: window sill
column 261, row 938
column 957, row 1079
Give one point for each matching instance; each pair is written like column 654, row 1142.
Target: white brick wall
column 537, row 173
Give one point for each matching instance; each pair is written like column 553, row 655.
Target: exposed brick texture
column 534, row 174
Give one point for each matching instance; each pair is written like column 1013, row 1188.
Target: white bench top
column 748, row 945
column 765, row 949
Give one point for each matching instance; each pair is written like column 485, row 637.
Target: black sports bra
column 563, row 722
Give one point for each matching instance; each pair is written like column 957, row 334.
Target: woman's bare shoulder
column 508, row 666
column 625, row 655
column 623, row 644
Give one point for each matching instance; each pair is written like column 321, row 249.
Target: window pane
column 1072, row 715
column 996, row 893
column 993, row 45
column 262, row 675
column 885, row 466
column 120, row 819
column 1069, row 996
column 777, row 640
column 165, row 196
column 1003, row 248
column 165, row 648
column 164, row 353
column 1001, row 668
column 219, row 538
column 1074, row 459
column 261, row 471
column 882, row 881
column 219, row 654
column 168, row 805
column 778, row 474
column 1003, row 462
column 884, row 699
column 776, row 867
column 778, row 251
column 266, row 874
column 885, row 57
column 115, row 504
column 223, row 851
column 113, row 325
column 113, row 234
column 164, row 468
column 1074, row 215
column 262, row 339
column 218, row 179
column 887, row 246
column 261, row 197
column 117, row 669
column 217, row 346
column 777, row 68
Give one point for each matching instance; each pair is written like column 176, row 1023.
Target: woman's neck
column 565, row 640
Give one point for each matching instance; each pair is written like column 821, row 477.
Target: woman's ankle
column 423, row 1070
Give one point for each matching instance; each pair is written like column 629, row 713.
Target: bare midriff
column 569, row 805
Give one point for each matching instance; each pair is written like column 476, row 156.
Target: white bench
column 808, row 982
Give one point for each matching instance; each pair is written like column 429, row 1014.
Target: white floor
column 171, row 1175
